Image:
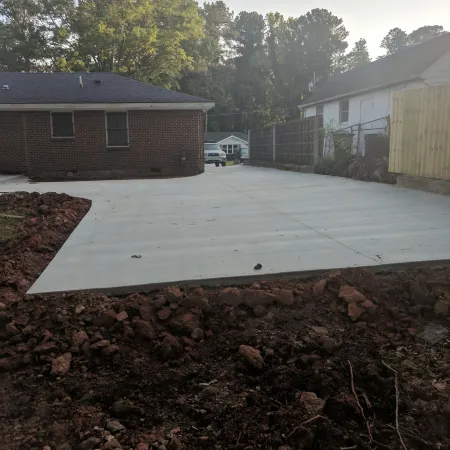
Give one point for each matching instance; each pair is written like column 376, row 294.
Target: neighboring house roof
column 62, row 87
column 405, row 65
column 219, row 136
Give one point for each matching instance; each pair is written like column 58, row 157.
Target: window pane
column 62, row 125
column 117, row 129
column 117, row 121
column 117, row 137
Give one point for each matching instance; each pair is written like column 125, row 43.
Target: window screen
column 62, row 125
column 343, row 111
column 117, row 129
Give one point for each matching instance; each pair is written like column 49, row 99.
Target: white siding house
column 230, row 142
column 361, row 99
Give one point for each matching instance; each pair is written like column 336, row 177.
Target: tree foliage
column 256, row 69
column 397, row 39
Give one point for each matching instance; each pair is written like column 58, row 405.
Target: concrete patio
column 220, row 224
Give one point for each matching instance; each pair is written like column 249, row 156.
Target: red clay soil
column 350, row 361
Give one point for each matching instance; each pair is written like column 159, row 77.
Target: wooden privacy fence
column 296, row 142
column 420, row 133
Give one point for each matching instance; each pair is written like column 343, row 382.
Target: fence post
column 316, row 141
column 249, row 145
column 274, row 143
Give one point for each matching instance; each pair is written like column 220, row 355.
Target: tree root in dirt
column 396, row 403
column 369, row 431
column 306, row 422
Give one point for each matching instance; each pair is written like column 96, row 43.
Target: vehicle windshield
column 244, row 151
column 215, row 147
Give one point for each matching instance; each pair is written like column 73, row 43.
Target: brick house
column 97, row 125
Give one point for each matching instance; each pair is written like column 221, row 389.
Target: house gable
column 405, row 66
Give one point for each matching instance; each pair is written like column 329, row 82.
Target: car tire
column 224, row 164
column 217, row 164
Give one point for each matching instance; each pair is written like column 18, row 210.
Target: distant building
column 97, row 125
column 364, row 95
column 230, row 141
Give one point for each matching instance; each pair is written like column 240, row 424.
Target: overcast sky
column 370, row 20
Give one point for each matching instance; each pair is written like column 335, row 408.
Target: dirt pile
column 276, row 365
column 40, row 224
column 358, row 168
column 181, row 369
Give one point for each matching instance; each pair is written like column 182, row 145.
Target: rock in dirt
column 230, row 296
column 10, row 364
column 186, row 323
column 144, row 329
column 173, row 294
column 122, row 316
column 61, row 365
column 313, row 404
column 442, row 308
column 164, row 313
column 319, row 288
column 259, row 311
column 170, row 348
column 351, row 295
column 124, row 408
column 12, row 330
column 284, row 297
column 355, row 311
column 197, row 334
column 142, row 446
column 105, row 319
column 254, row 297
column 252, row 356
column 2, row 307
column 112, row 444
column 90, row 443
column 46, row 347
column 111, row 350
column 433, row 333
column 100, row 344
column 79, row 337
column 114, row 426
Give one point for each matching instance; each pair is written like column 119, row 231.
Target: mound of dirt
column 40, row 224
column 358, row 168
column 331, row 363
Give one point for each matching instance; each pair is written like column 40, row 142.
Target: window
column 319, row 110
column 62, row 125
column 117, row 129
column 343, row 111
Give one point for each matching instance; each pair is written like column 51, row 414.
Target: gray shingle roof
column 407, row 64
column 60, row 87
column 217, row 136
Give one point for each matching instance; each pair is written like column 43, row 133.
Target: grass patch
column 8, row 225
column 230, row 163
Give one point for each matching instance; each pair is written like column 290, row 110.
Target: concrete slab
column 222, row 223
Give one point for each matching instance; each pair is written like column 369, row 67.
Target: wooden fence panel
column 261, row 143
column 298, row 142
column 420, row 133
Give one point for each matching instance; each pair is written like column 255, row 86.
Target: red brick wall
column 158, row 139
column 12, row 143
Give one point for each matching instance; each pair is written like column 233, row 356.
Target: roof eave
column 232, row 135
column 203, row 106
column 361, row 91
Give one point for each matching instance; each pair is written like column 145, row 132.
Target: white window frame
column 341, row 110
column 106, row 129
column 51, row 124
